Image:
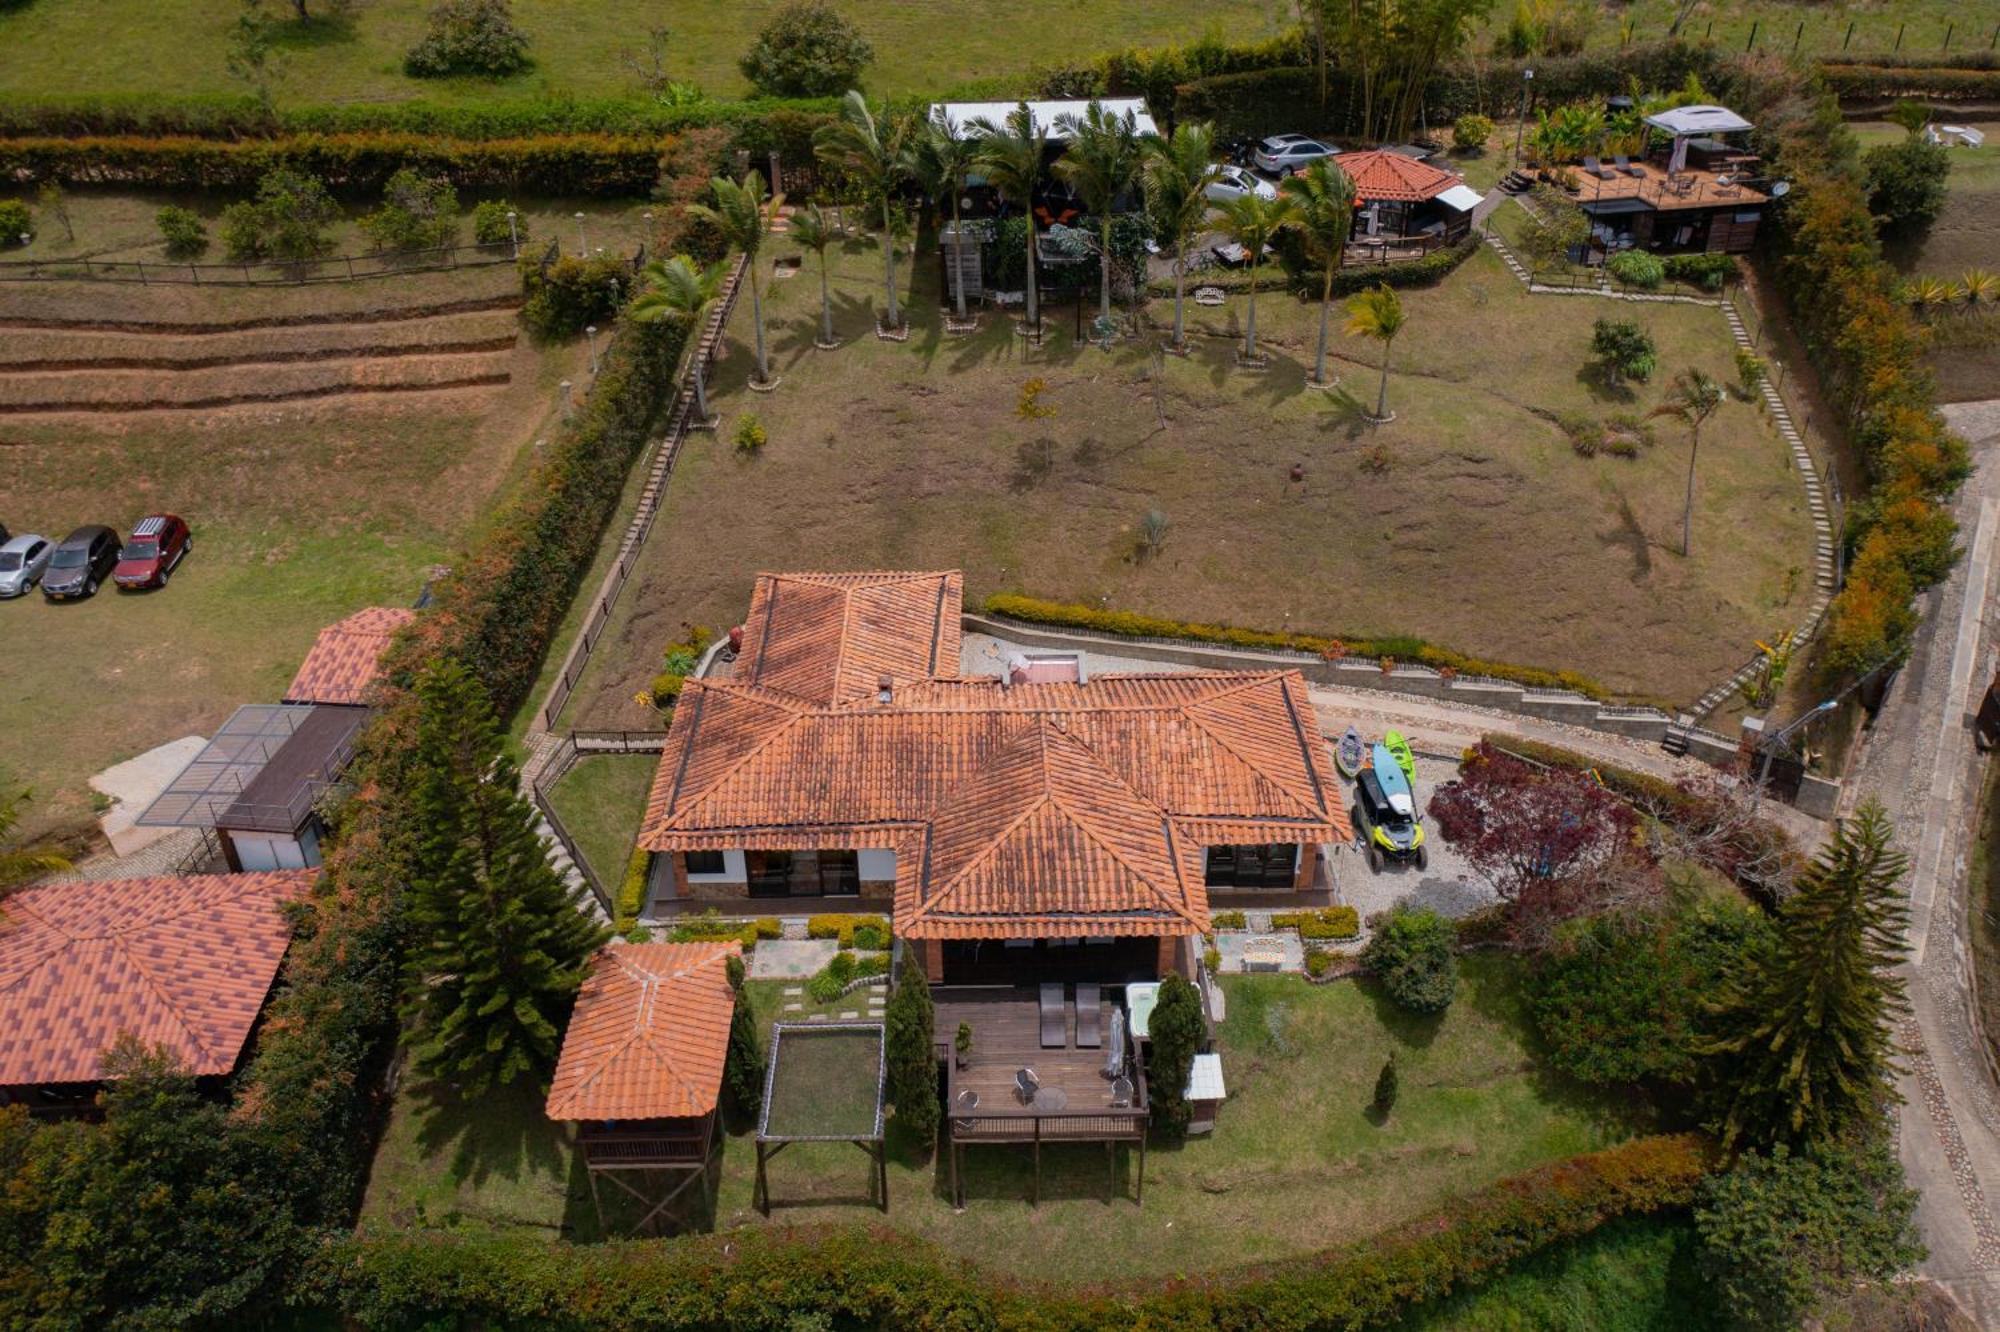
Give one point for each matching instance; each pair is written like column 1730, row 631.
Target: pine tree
column 499, row 943
column 743, row 1065
column 912, row 1019
column 1176, row 1030
column 1385, row 1087
column 1806, row 1043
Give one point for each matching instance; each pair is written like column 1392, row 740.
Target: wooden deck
column 1691, row 188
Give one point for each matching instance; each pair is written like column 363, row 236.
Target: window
column 1267, row 865
column 704, row 862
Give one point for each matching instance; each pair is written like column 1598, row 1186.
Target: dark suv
column 83, row 560
column 156, row 549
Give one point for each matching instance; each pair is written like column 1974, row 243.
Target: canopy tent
column 1046, row 115
column 1690, row 122
column 1462, row 197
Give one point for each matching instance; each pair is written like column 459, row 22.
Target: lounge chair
column 1596, row 169
column 1055, row 1023
column 1087, row 1037
column 1620, row 162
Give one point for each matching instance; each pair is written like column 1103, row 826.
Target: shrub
column 1176, row 1030
column 1338, row 922
column 418, row 212
column 1385, row 1087
column 750, row 435
column 806, row 50
column 468, row 37
column 1319, row 961
column 871, row 964
column 287, row 220
column 1750, row 369
column 1623, row 350
column 182, row 232
column 15, row 222
column 1470, row 132
column 1707, row 271
column 490, row 225
column 1229, row 920
column 830, row 981
column 1411, row 954
column 1637, row 268
column 849, row 930
column 631, row 896
column 1906, row 183
column 565, row 297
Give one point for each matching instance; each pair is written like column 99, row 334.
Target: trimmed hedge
column 853, row 930
column 1131, row 624
column 1229, row 920
column 1428, row 271
column 1340, row 922
column 1954, row 83
column 356, row 165
column 882, row 1278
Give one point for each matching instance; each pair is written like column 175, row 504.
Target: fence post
column 1849, row 37
column 1948, row 29
column 1751, row 45
column 194, row 272
column 142, row 272
column 350, row 268
column 1899, row 37
column 1798, row 36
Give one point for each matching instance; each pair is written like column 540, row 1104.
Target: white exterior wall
column 876, row 866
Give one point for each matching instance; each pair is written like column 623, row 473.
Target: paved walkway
column 1919, row 761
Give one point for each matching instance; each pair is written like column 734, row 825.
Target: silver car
column 1233, row 182
column 1281, row 154
column 22, row 562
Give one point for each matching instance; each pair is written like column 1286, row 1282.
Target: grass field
column 923, row 47
column 1476, row 525
column 303, row 510
column 827, row 1084
column 600, row 801
column 1297, row 1164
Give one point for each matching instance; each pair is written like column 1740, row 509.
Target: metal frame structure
column 871, row 1144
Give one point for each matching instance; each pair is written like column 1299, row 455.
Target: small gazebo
column 1403, row 202
column 641, row 1067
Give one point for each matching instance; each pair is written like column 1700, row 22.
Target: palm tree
column 743, row 215
column 1377, row 313
column 876, row 155
column 1010, row 157
column 1692, row 400
column 19, row 864
column 945, row 159
column 813, row 231
column 1323, row 195
column 1101, row 162
column 1176, row 174
column 676, row 289
column 1253, row 223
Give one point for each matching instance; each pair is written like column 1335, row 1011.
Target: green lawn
column 1297, row 1164
column 827, row 1083
column 1470, row 520
column 600, row 801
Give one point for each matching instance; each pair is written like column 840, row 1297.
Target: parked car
column 22, row 561
column 157, row 547
column 1283, row 153
column 81, row 561
column 1233, row 182
column 1387, row 824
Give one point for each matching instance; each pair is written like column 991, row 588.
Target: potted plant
column 963, row 1043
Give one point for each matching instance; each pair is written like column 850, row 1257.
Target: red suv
column 157, row 547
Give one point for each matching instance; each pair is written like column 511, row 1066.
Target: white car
column 1233, row 182
column 22, row 563
column 1282, row 154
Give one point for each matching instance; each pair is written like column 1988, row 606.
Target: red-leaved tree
column 1552, row 842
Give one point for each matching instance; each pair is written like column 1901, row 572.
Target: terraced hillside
column 329, row 445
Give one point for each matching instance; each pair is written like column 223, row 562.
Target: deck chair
column 1620, row 162
column 1087, row 1037
column 1596, row 169
column 1026, row 1084
column 1055, row 1024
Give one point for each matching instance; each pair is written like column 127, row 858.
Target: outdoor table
column 1051, row 1099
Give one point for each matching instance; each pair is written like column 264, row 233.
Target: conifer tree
column 499, row 943
column 1806, row 1043
column 912, row 1020
column 743, row 1064
column 1176, row 1030
column 1385, row 1087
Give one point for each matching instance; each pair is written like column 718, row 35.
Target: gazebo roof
column 649, row 1035
column 1385, row 174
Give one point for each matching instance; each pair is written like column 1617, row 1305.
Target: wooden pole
column 595, row 1201
column 761, row 1194
column 1036, row 1200
column 1139, row 1195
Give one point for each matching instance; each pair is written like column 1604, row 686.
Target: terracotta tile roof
column 343, row 661
column 824, row 637
column 1381, row 174
column 649, row 1034
column 183, row 962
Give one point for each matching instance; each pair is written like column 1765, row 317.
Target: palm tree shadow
column 1345, row 412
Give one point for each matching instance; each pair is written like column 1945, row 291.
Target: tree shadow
column 1345, row 413
column 1628, row 535
column 1413, row 1031
column 622, row 1214
column 1498, row 989
column 502, row 1133
column 310, row 34
column 1071, row 1172
column 1590, row 376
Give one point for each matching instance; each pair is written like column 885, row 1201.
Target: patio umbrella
column 1114, row 1048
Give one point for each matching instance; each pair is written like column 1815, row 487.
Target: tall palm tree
column 1101, row 163
column 743, row 215
column 675, row 289
column 1691, row 401
column 945, row 159
column 19, row 864
column 1010, row 157
column 1377, row 313
column 1323, row 194
column 813, row 231
column 876, row 155
column 1176, row 175
column 1254, row 223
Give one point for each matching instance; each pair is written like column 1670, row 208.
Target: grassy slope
column 1486, row 532
column 922, row 46
column 600, row 801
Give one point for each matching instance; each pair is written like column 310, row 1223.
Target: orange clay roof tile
column 345, row 659
column 1381, row 174
column 823, row 637
column 649, row 1034
column 183, row 962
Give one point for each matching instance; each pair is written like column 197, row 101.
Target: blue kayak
column 1395, row 782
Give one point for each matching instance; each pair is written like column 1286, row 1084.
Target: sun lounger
column 1087, row 1037
column 1596, row 169
column 1622, row 163
column 1055, row 1023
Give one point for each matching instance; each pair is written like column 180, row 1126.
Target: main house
column 1080, row 824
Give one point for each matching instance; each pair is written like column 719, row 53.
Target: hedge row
column 1131, row 624
column 1428, row 271
column 1339, row 922
column 1868, row 352
column 351, row 164
column 880, row 1278
column 1952, row 83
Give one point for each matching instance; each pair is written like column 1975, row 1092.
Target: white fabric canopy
column 1462, row 197
column 960, row 115
column 1685, row 120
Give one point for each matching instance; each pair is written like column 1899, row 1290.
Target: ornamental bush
column 490, row 225
column 849, row 929
column 569, row 295
column 15, row 222
column 1470, row 132
column 1906, row 183
column 469, row 37
column 1636, row 268
column 806, row 50
column 1411, row 954
column 1707, row 271
column 1339, row 922
column 287, row 220
column 418, row 212
column 182, row 231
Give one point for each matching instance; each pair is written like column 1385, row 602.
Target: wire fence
column 259, row 273
column 1817, row 31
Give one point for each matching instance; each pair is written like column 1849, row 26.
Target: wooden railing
column 634, row 1151
column 1028, row 1125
